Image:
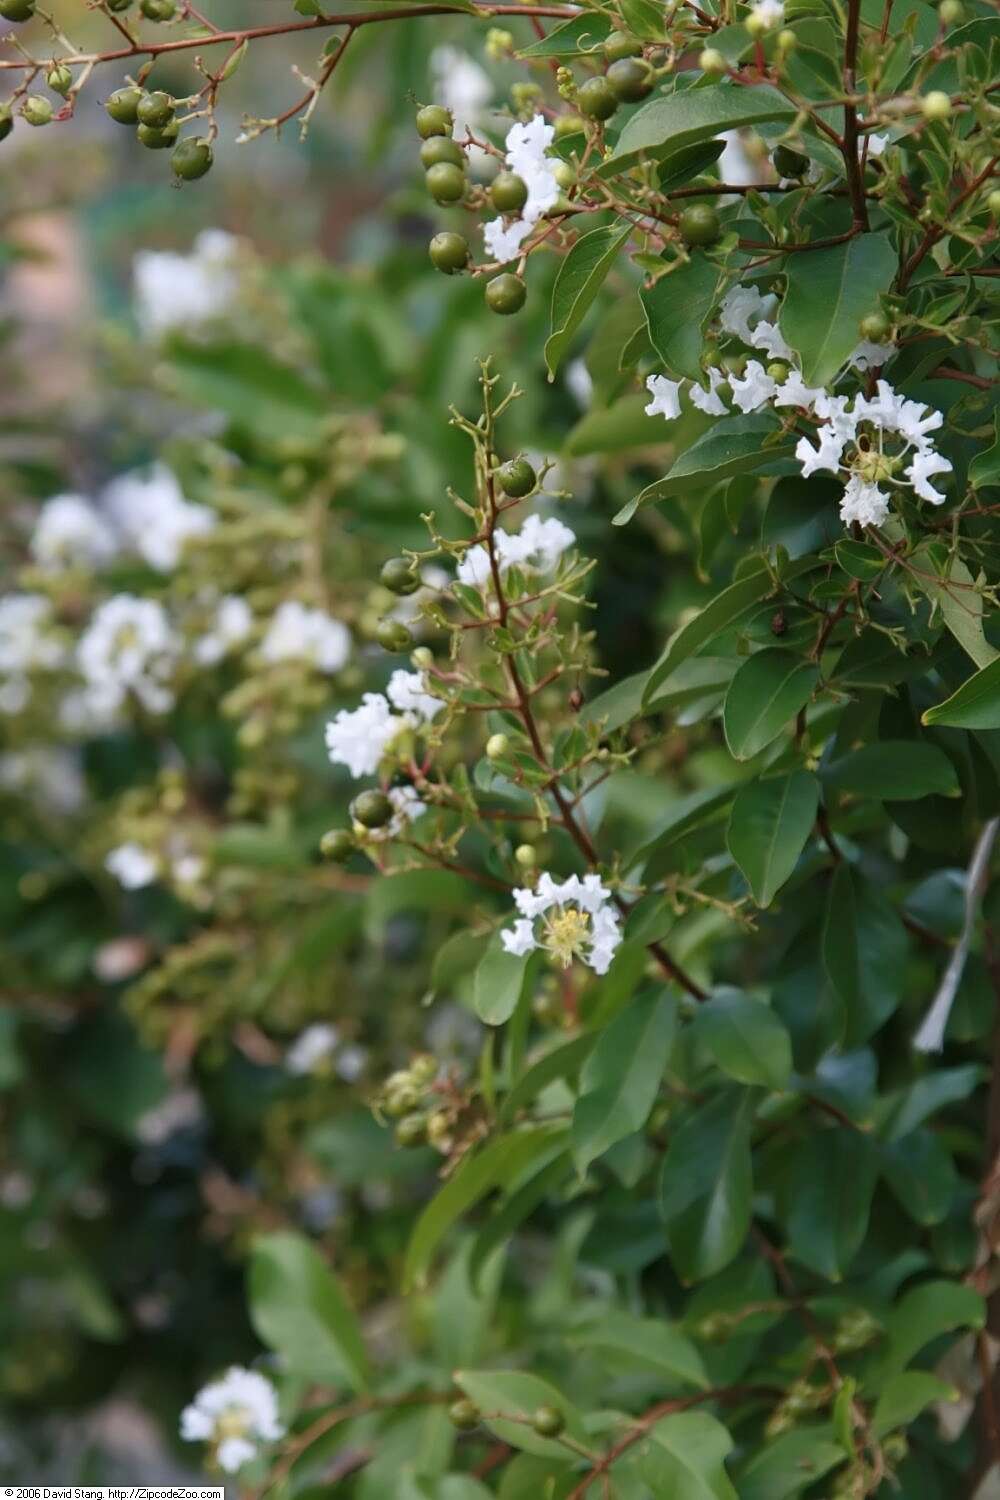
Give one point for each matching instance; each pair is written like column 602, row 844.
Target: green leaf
column 789, row 1464
column 764, row 696
column 298, row 1309
column 672, row 121
column 622, row 1076
column 745, row 1038
column 675, row 308
column 828, row 293
column 985, row 467
column 249, row 386
column 498, row 1164
column 686, row 1457
column 503, row 1395
column 577, row 283
column 618, row 705
column 579, row 34
column 905, row 1396
column 950, row 586
column 833, row 1175
column 649, row 1343
column 498, row 983
column 706, row 1185
column 976, row 704
column 560, row 1062
column 893, row 770
column 734, row 445
column 864, row 947
column 921, row 1174
column 923, row 1314
column 769, row 827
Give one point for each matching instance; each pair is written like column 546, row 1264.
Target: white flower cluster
column 27, row 643
column 51, row 775
column 526, row 148
column 768, row 13
column 232, row 622
column 236, row 1414
column 863, row 425
column 536, row 548
column 153, row 517
column 359, row 738
column 129, row 647
column 577, row 920
column 298, row 633
column 184, row 291
column 318, row 1047
column 71, row 533
column 132, row 866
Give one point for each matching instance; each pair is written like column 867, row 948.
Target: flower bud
column 392, row 635
column 712, row 61
column 526, row 856
column 936, row 105
column 497, row 746
column 337, row 845
column 464, row 1415
column 422, row 658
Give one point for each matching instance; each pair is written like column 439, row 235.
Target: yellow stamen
column 231, row 1424
column 565, row 934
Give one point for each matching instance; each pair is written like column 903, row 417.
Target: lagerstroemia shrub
column 707, row 1208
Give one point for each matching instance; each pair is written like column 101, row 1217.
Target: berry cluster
column 155, row 116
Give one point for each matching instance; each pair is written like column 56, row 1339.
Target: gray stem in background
column 930, row 1036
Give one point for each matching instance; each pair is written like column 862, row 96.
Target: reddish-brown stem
column 852, row 160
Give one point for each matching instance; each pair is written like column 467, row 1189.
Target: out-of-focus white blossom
column 180, row 1109
column 312, row 1048
column 150, row 511
column 235, row 1415
column 50, row 775
column 350, row 1062
column 232, row 622
column 570, row 919
column 406, row 692
column 71, row 533
column 769, row 13
column 27, row 644
column 185, row 291
column 128, row 647
column 359, row 738
column 298, row 633
column 579, row 382
column 736, row 165
column 132, row 866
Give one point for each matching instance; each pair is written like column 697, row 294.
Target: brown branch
column 852, row 161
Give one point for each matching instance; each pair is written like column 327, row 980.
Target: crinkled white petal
column 863, row 502
column 503, row 240
column 710, row 402
column 234, row 1452
column 740, row 305
column 754, row 389
column 767, row 336
column 927, row 462
column 826, row 455
column 519, row 939
column 665, row 397
column 870, row 356
column 358, row 738
column 406, row 692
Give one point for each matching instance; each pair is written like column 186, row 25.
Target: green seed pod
column 59, row 79
column 517, row 478
column 158, row 10
column 438, row 148
column 778, row 371
column 508, row 192
column 192, row 158
column 392, row 635
column 156, row 109
column 337, row 845
column 117, row 6
column 993, row 203
column 123, row 105
column 619, row 44
column 424, row 1067
column 37, row 110
column 699, row 225
column 411, row 1130
column 371, row 809
column 936, row 105
column 548, row 1421
column 596, row 99
column 875, row 327
column 400, row 1102
column 399, row 576
column 464, row 1415
column 445, row 182
column 631, row 79
column 449, row 252
column 569, row 125
column 505, row 294
column 17, row 10
column 157, row 139
column 434, row 119
column 789, row 163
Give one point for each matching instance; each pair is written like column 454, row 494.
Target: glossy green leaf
column 783, row 1468
column 764, row 697
column 672, row 121
column 675, row 308
column 706, row 1185
column 905, row 1396
column 893, row 770
column 769, row 826
column 921, row 1174
column 560, row 1062
column 745, row 1038
column 509, row 1398
column 686, row 1456
column 833, row 1176
column 976, row 704
column 298, row 1309
column 924, row 1313
column 647, row 1343
column 864, row 948
column 498, row 982
column 579, row 279
column 622, row 1075
column 828, row 293
column 734, row 445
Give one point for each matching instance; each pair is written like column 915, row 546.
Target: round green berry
column 392, row 635
column 158, row 10
column 508, row 192
column 569, row 125
column 993, row 203
column 338, row 845
column 712, row 61
column 619, row 44
column 441, row 148
column 17, row 10
column 123, row 105
column 59, row 79
column 434, row 119
column 400, row 1101
column 875, row 327
column 526, row 856
column 449, row 252
column 156, row 109
column 936, row 105
column 699, row 225
column 597, row 99
column 497, row 746
column 157, row 139
column 778, row 371
column 631, row 79
column 37, row 110
column 464, row 1415
column 517, row 478
column 192, row 158
column 399, row 576
column 6, row 121
column 371, row 809
column 951, row 12
column 445, row 182
column 505, row 294
column 789, row 163
column 118, row 5
column 548, row 1421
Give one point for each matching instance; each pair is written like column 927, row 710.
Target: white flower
column 826, row 456
column 895, row 413
column 869, row 356
column 739, row 305
column 132, row 866
column 180, row 1109
column 571, row 919
column 351, row 1062
column 863, row 502
column 312, row 1047
column 770, row 13
column 26, row 644
column 579, row 382
column 793, row 391
column 359, row 738
column 877, row 143
column 47, row 773
column 927, row 462
column 526, row 147
column 297, row 633
column 710, row 402
column 184, row 291
column 736, row 165
column 766, row 336
column 128, row 647
column 666, row 397
column 153, row 515
column 406, row 692
column 461, row 85
column 235, row 1414
column 536, row 548
column 754, row 389
column 232, row 622
column 69, row 533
